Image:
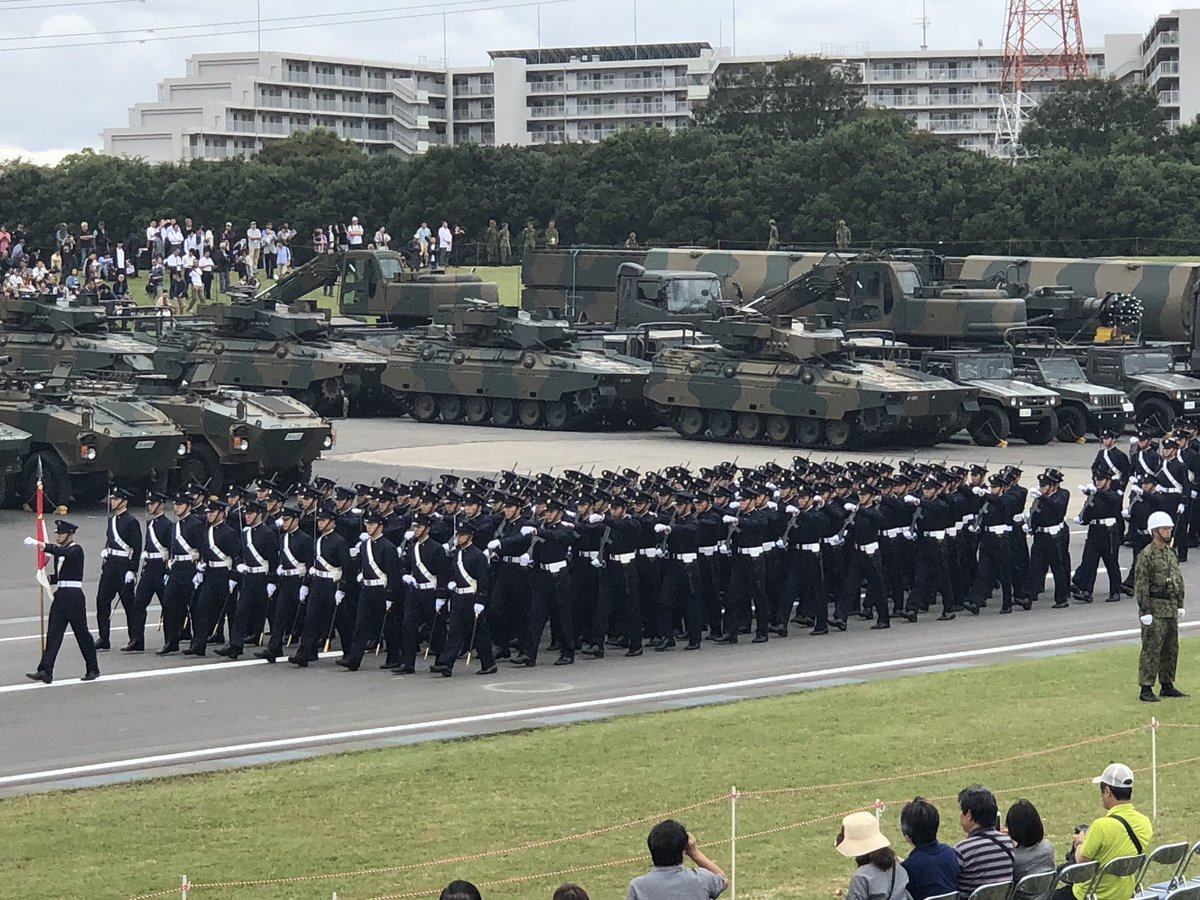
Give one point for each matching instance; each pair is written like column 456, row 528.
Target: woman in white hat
column 880, row 875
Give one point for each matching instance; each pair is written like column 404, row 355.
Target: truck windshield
column 1142, row 363
column 1060, row 370
column 909, row 282
column 692, row 295
column 391, row 267
column 985, row 367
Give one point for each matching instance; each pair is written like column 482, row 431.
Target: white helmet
column 1159, row 520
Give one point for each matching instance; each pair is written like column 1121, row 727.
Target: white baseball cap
column 1159, row 520
column 1116, row 775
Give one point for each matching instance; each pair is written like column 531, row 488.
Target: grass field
column 414, row 805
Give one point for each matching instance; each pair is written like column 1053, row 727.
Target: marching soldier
column 995, row 547
column 1101, row 512
column 423, row 563
column 1174, row 483
column 155, row 560
column 1113, row 460
column 330, row 555
column 747, row 592
column 187, row 536
column 68, row 607
column 1046, row 523
column 350, row 527
column 295, row 558
column 122, row 555
column 618, row 581
column 379, row 577
column 466, row 583
column 681, row 590
column 1159, row 593
column 220, row 552
column 865, row 558
column 256, row 571
column 1144, row 501
column 930, row 521
column 550, row 585
column 1017, row 495
column 508, row 605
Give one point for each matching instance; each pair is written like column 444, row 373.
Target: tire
column 557, row 415
column 690, row 422
column 838, row 433
column 808, row 431
column 424, row 408
column 749, row 426
column 989, row 426
column 779, row 429
column 504, row 412
column 202, row 467
column 531, row 414
column 1156, row 412
column 450, row 408
column 1072, row 424
column 1043, row 432
column 56, row 482
column 721, row 424
column 476, row 411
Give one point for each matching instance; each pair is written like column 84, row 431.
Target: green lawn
column 413, row 805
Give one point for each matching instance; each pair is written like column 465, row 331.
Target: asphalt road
column 149, row 715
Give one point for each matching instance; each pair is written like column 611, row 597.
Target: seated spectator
column 879, row 875
column 460, row 890
column 1033, row 853
column 669, row 880
column 932, row 866
column 120, row 288
column 1121, row 831
column 570, row 892
column 986, row 854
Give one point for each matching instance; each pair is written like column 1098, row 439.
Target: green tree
column 1096, row 116
column 798, row 97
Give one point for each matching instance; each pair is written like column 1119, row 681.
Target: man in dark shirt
column 68, row 607
column 932, row 866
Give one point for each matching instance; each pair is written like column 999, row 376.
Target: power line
column 40, row 6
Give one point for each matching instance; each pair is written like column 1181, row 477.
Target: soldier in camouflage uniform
column 843, row 235
column 552, row 235
column 529, row 238
column 773, row 236
column 505, row 245
column 1158, row 589
column 491, row 243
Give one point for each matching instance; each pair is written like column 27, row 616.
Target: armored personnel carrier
column 795, row 383
column 254, row 344
column 14, row 449
column 87, row 437
column 483, row 364
column 39, row 335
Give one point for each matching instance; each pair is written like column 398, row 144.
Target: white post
column 879, row 807
column 733, row 795
column 1154, row 765
column 183, row 885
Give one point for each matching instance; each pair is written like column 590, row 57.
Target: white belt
column 708, row 551
column 424, row 586
column 936, row 535
column 648, row 551
column 256, row 570
column 220, row 564
column 187, row 558
column 287, row 572
column 1052, row 529
column 811, row 548
column 588, row 554
column 622, row 558
column 768, row 546
column 553, row 567
column 752, row 552
column 1108, row 523
column 124, row 554
column 893, row 532
column 952, row 532
column 334, row 575
column 1161, row 490
column 70, row 584
column 464, row 590
column 685, row 557
column 831, row 541
column 164, row 556
column 999, row 529
column 515, row 560
column 869, row 549
column 375, row 582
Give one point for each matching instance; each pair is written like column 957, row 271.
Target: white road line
column 186, row 756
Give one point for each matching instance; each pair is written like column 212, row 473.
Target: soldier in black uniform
column 423, row 564
column 68, row 607
column 1113, row 460
column 256, row 571
column 804, row 579
column 1174, row 482
column 1045, row 523
column 995, row 546
column 380, row 578
column 681, row 591
column 1143, row 455
column 508, row 604
column 1017, row 495
column 618, row 581
column 220, row 552
column 896, row 517
column 747, row 580
column 583, row 573
column 865, row 557
column 467, row 583
column 291, row 574
column 1144, row 502
column 330, row 555
column 1101, row 512
column 187, row 535
column 712, row 534
column 551, row 591
column 932, row 573
column 122, row 556
column 153, row 580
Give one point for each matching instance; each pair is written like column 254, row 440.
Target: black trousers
column 508, row 606
column 585, row 597
column 68, row 608
column 209, row 606
column 747, row 589
column 995, row 555
column 1046, row 553
column 551, row 599
column 112, row 584
column 618, row 594
column 177, row 601
column 805, row 573
column 932, row 574
column 153, row 583
column 865, row 567
column 649, row 572
column 461, row 624
column 710, row 570
column 251, row 607
column 1139, row 542
column 318, row 617
column 681, row 592
column 1101, row 545
column 287, row 621
column 419, row 609
column 368, row 622
column 1019, row 559
column 894, row 554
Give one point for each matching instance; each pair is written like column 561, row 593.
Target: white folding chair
column 1173, row 855
column 997, row 890
column 1033, row 887
column 1078, row 873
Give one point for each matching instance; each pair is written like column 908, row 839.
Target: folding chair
column 1079, row 873
column 1191, row 892
column 997, row 890
column 1033, row 887
column 953, row 895
column 1173, row 855
column 1121, row 867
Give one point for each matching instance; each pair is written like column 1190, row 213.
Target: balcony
column 474, row 115
column 1168, row 98
column 239, row 125
column 297, row 77
column 271, row 102
column 472, row 89
column 892, row 101
column 548, row 87
column 1166, row 69
column 547, row 137
column 299, row 103
column 325, row 105
column 325, row 78
column 272, row 128
column 547, row 112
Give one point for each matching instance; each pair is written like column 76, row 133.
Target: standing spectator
column 228, row 236
column 1033, row 853
column 382, row 238
column 1121, row 831
column 460, row 890
column 668, row 842
column 178, row 286
column 61, row 234
column 174, row 236
column 195, row 285
column 339, row 237
column 354, row 233
column 932, row 866
column 253, row 244
column 433, row 252
column 207, row 267
column 268, row 250
column 70, row 259
column 446, row 242
column 5, row 241
column 491, row 243
column 879, row 875
column 319, row 241
column 154, row 281
column 985, row 855
column 152, row 239
column 528, row 238
column 221, row 258
column 283, row 259
column 101, row 238
column 86, row 242
column 120, row 261
column 631, row 242
column 460, row 245
column 193, row 243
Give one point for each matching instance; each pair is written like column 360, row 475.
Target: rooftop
column 615, row 53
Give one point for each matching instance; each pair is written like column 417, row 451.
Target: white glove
column 1179, row 509
column 279, row 522
column 339, row 596
column 312, row 570
column 359, row 578
column 660, row 528
column 364, row 536
column 478, row 607
column 979, row 491
column 729, row 520
column 448, row 547
column 166, row 578
column 597, row 563
column 408, row 535
column 439, row 604
column 200, row 567
column 387, row 606
column 232, row 585
column 525, row 560
column 771, row 504
column 735, row 505
column 527, row 530
column 818, row 502
column 104, row 553
column 1147, row 620
column 303, row 591
column 772, row 485
column 595, row 519
column 271, row 589
column 1125, row 514
column 791, row 510
column 849, row 507
column 1179, row 613
column 660, row 552
column 1027, row 529
column 33, row 542
column 196, row 579
column 452, row 586
column 723, row 548
column 354, row 551
column 243, row 568
column 780, row 543
column 493, row 545
column 838, row 540
column 410, row 580
column 910, row 534
column 911, row 500
column 1133, row 442
column 1135, row 488
column 1087, row 489
column 1078, row 520
column 129, row 577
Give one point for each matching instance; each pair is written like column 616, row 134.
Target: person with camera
column 669, row 842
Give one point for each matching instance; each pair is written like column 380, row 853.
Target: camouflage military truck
column 377, row 284
column 14, row 450
column 1148, row 376
column 87, row 437
column 38, row 336
column 234, row 436
column 486, row 365
column 1007, row 407
column 252, row 344
column 793, row 383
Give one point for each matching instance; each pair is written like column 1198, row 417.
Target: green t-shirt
column 1106, row 840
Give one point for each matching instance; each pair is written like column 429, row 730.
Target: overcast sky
column 73, row 92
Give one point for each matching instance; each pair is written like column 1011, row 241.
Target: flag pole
column 41, row 557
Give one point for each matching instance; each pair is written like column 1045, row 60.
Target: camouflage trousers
column 1160, row 652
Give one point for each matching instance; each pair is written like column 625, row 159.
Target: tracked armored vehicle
column 483, row 364
column 795, row 383
column 14, row 449
column 40, row 335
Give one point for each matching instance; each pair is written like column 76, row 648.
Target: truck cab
column 1146, row 373
column 646, row 296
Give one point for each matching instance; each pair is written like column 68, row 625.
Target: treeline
column 894, row 186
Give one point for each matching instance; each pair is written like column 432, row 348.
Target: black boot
column 1169, row 690
column 1147, row 694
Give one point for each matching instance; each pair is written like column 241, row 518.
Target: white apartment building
column 231, row 104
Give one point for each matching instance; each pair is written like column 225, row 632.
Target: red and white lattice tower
column 1043, row 42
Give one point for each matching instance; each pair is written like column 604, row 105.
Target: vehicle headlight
column 1094, row 400
column 240, row 443
column 181, row 450
column 1179, row 395
column 328, row 442
column 1054, row 400
column 1013, row 402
